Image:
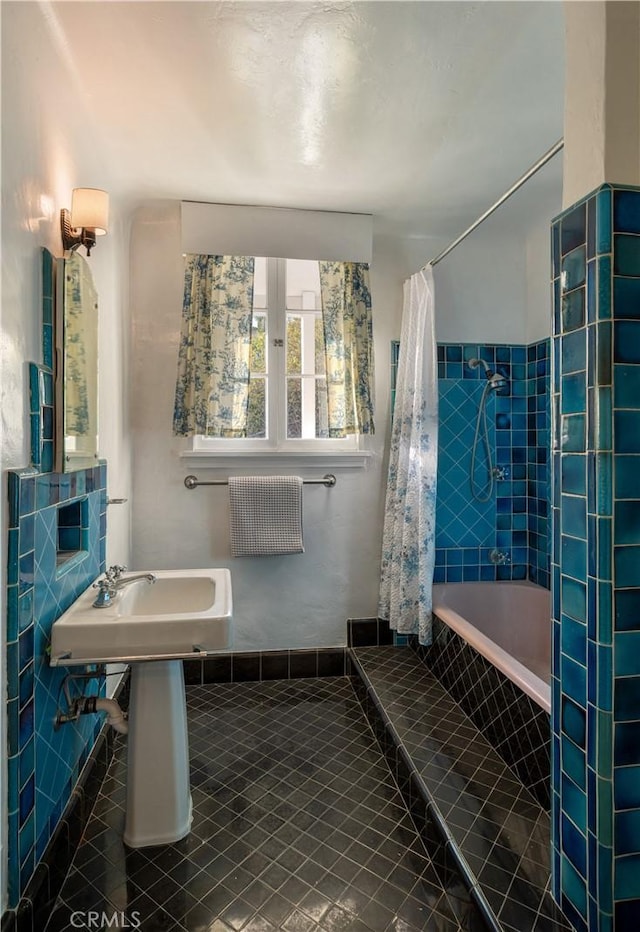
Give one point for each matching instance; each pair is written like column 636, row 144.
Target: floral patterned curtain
column 212, row 388
column 408, row 543
column 348, row 337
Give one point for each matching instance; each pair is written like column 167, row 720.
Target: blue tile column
column 596, row 560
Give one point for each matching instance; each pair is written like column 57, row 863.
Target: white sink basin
column 183, row 612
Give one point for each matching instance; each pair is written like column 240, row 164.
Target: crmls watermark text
column 92, row 919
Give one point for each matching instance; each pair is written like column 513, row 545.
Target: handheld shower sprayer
column 494, row 382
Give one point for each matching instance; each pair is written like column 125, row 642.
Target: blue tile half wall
column 44, row 576
column 596, row 560
column 515, row 519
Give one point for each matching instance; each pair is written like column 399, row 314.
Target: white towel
column 265, row 515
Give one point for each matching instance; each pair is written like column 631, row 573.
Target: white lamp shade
column 90, row 209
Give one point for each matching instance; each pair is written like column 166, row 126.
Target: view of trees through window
column 292, row 329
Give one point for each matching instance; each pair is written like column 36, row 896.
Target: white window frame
column 278, row 448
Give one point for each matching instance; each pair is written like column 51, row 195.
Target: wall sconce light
column 89, row 217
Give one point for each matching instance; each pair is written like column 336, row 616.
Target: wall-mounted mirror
column 76, row 365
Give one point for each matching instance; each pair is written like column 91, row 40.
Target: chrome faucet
column 109, row 587
column 106, row 593
column 121, row 583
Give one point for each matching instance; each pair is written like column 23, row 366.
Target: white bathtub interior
column 509, row 623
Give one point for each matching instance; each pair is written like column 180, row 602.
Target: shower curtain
column 408, row 545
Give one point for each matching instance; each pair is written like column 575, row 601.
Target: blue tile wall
column 43, row 765
column 48, row 265
column 539, row 461
column 596, row 560
column 462, row 522
column 41, row 417
column 41, row 377
column 516, row 518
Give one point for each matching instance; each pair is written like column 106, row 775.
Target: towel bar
column 192, row 482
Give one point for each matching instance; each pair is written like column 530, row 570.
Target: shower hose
column 482, row 494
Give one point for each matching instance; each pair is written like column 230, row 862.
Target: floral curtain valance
column 348, row 337
column 212, row 388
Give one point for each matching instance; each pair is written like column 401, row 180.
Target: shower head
column 495, row 379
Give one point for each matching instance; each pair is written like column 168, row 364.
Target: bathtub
column 509, row 623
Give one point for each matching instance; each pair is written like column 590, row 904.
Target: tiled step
column 498, row 834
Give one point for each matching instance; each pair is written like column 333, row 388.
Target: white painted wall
column 602, row 96
column 481, row 291
column 538, row 284
column 287, row 602
column 50, row 144
column 495, row 286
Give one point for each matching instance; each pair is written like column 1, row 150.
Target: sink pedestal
column 158, row 794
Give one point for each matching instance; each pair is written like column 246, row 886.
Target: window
column 287, row 407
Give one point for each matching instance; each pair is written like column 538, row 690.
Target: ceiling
column 421, row 113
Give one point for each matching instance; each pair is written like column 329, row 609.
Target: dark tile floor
column 298, row 826
column 500, row 829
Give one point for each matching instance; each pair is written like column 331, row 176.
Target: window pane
column 307, row 414
column 322, row 411
column 257, row 410
column 260, row 282
column 319, row 347
column 294, row 344
column 258, row 357
column 294, row 408
column 305, row 357
column 305, row 344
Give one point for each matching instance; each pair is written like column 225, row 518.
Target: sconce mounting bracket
column 72, row 237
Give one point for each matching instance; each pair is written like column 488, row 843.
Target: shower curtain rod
column 514, row 187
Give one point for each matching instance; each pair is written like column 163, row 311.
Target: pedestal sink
column 152, row 626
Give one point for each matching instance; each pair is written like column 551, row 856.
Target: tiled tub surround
column 515, row 519
column 512, row 722
column 298, row 825
column 596, row 560
column 43, row 765
column 493, row 828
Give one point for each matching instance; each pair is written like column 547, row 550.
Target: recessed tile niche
column 73, row 532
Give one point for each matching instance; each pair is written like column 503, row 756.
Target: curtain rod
column 514, row 187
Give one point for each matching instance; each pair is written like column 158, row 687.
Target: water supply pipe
column 115, row 715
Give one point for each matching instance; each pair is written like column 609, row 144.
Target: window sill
column 353, row 459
